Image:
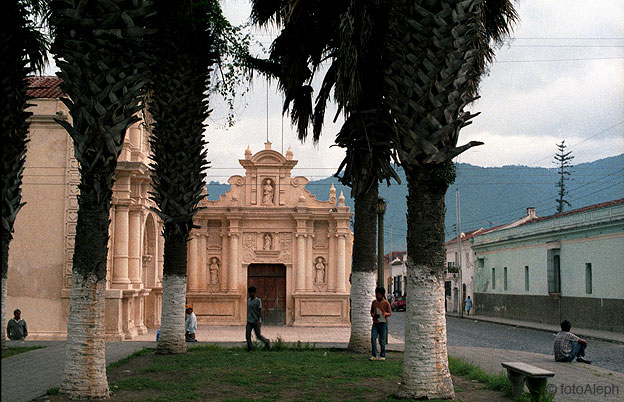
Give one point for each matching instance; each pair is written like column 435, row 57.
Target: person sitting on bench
column 569, row 346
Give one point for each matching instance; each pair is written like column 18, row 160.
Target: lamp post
column 381, row 209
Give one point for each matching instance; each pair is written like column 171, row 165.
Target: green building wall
column 593, row 237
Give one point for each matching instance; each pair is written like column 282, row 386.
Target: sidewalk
column 573, row 382
column 582, row 332
column 318, row 335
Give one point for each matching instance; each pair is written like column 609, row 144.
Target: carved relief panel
column 321, row 234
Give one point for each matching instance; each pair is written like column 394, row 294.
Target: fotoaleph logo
column 583, row 389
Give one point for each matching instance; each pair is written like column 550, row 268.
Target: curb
column 524, row 324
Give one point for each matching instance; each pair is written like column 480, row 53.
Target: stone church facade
column 268, row 230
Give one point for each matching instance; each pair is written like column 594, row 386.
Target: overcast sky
column 561, row 77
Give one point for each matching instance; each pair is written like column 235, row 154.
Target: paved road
column 466, row 332
column 27, row 377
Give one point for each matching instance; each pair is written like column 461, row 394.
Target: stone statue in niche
column 268, row 242
column 214, row 270
column 319, row 270
column 267, row 192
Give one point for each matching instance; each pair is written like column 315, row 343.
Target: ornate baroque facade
column 268, row 230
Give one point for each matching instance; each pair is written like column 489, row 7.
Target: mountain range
column 489, row 196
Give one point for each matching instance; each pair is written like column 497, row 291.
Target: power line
column 577, row 38
column 580, row 142
column 549, row 60
column 568, row 46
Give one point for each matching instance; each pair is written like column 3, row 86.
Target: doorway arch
column 270, row 282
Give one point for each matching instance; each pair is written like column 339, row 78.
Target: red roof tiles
column 45, row 87
column 575, row 211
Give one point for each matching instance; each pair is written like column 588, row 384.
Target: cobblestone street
column 467, row 332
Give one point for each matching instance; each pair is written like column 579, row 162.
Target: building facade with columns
column 41, row 252
column 270, row 232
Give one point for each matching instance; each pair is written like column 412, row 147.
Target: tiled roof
column 45, row 87
column 576, row 211
column 395, row 254
column 468, row 235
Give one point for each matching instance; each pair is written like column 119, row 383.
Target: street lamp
column 381, row 210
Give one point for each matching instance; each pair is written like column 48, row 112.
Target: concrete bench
column 536, row 378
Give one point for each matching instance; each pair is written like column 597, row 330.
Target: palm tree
column 23, row 50
column 439, row 50
column 98, row 48
column 332, row 32
column 178, row 105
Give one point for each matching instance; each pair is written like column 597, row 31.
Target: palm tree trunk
column 85, row 364
column 425, row 368
column 363, row 271
column 171, row 339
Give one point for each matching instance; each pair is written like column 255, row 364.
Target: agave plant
column 24, row 50
column 98, row 48
column 179, row 106
column 439, row 50
column 346, row 37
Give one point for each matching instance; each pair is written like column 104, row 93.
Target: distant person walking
column 16, row 328
column 569, row 346
column 380, row 311
column 254, row 312
column 190, row 326
column 468, row 305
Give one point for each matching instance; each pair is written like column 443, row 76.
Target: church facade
column 267, row 231
column 270, row 232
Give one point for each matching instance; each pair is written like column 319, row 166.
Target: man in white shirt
column 190, row 327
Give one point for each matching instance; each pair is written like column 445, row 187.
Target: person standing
column 16, row 328
column 190, row 326
column 380, row 311
column 254, row 312
column 569, row 346
column 467, row 305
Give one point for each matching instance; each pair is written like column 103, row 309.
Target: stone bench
column 535, row 377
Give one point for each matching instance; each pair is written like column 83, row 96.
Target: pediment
column 268, row 157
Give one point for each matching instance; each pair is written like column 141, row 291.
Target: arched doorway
column 270, row 282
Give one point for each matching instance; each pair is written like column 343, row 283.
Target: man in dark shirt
column 254, row 312
column 16, row 328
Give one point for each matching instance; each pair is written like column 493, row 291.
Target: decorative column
column 223, row 276
column 234, row 265
column 192, row 263
column 341, row 285
column 300, row 276
column 134, row 248
column 331, row 265
column 201, row 263
column 309, row 271
column 120, row 259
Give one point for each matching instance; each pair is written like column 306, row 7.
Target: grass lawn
column 16, row 350
column 212, row 373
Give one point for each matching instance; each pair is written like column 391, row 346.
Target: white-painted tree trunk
column 4, row 315
column 171, row 339
column 425, row 367
column 362, row 294
column 85, row 363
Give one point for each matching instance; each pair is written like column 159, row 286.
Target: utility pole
column 459, row 257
